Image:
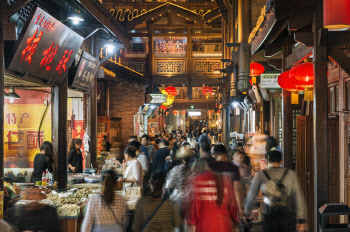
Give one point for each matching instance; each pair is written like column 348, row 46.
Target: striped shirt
column 98, row 213
column 166, row 218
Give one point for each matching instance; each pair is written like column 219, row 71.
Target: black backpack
column 276, row 199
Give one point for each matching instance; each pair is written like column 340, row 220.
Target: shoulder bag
column 154, row 213
column 117, row 227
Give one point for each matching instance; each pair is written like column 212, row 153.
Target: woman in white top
column 132, row 169
column 106, row 211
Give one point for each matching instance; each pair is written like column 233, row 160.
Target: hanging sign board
column 156, row 98
column 269, row 81
column 86, row 72
column 46, row 47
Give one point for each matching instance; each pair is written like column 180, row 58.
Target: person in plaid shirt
column 107, row 209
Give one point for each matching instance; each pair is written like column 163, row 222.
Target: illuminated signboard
column 194, row 113
column 86, row 72
column 46, row 47
column 170, row 45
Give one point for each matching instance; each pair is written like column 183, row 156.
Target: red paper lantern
column 256, row 69
column 183, row 112
column 209, row 111
column 336, row 14
column 171, row 90
column 304, row 74
column 207, row 90
column 287, row 82
column 175, row 112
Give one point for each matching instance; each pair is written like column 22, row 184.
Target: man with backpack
column 283, row 201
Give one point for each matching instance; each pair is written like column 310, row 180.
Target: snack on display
column 69, row 210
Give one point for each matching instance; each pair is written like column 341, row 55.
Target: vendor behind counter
column 43, row 161
column 75, row 157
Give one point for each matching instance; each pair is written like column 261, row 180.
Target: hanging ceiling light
column 12, row 94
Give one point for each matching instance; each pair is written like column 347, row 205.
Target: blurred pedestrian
column 205, row 152
column 283, row 200
column 106, row 211
column 229, row 171
column 204, row 138
column 177, row 175
column 141, row 157
column 34, row 216
column 145, row 141
column 156, row 212
column 213, row 207
column 132, row 169
column 159, row 157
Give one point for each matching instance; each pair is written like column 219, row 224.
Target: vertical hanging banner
column 46, row 47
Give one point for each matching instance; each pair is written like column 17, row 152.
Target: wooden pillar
column 287, row 125
column 2, row 78
column 59, row 132
column 189, row 60
column 92, row 127
column 320, row 112
column 150, row 54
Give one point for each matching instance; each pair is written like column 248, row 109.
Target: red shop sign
column 46, row 47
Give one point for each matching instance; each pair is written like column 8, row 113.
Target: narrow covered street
column 174, row 115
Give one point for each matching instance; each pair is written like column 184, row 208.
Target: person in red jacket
column 213, row 206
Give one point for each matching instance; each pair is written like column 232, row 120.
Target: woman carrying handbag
column 107, row 211
column 155, row 212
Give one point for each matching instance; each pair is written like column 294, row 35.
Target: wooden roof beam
column 338, row 38
column 298, row 56
column 102, row 15
column 339, row 57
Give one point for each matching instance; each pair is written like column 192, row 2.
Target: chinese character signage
column 269, row 81
column 156, row 98
column 46, row 48
column 170, row 45
column 22, row 120
column 85, row 75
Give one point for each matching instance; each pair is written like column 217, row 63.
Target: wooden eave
column 101, row 14
column 294, row 19
column 125, row 73
column 162, row 9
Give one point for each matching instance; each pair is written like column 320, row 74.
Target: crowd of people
column 194, row 187
column 204, row 187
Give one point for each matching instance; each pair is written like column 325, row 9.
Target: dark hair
column 152, row 139
column 165, row 142
column 75, row 141
column 156, row 136
column 270, row 143
column 133, row 137
column 131, row 151
column 239, row 145
column 48, row 149
column 108, row 180
column 274, row 156
column 157, row 181
column 205, row 131
column 205, row 147
column 220, row 149
column 158, row 141
column 239, row 151
column 145, row 136
column 135, row 144
column 105, row 137
column 183, row 137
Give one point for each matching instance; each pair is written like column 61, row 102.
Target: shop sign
column 269, row 81
column 46, row 47
column 170, row 45
column 156, row 98
column 85, row 75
